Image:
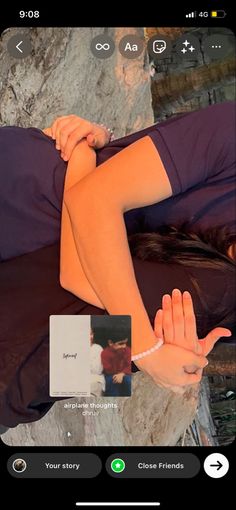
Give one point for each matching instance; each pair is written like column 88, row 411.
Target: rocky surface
column 151, row 416
column 62, row 77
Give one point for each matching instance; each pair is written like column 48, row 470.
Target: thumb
column 197, row 360
column 209, row 341
column 97, row 141
column 193, row 378
column 91, row 140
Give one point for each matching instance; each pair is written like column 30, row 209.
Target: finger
column 101, row 136
column 98, row 137
column 192, row 378
column 60, row 126
column 74, row 125
column 101, row 139
column 167, row 324
column 189, row 319
column 74, row 138
column 158, row 324
column 55, row 123
column 191, row 369
column 209, row 341
column 91, row 140
column 178, row 317
column 190, row 323
column 48, row 132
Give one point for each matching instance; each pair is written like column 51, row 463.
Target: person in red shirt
column 116, row 361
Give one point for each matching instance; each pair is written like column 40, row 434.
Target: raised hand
column 175, row 323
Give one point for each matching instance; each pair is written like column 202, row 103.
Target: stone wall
column 151, row 416
column 63, row 77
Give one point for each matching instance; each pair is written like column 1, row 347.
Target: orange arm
column 72, row 275
column 133, row 178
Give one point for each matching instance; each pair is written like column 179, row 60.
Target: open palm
column 175, row 323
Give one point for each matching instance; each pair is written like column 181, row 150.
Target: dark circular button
column 187, row 47
column 19, row 46
column 131, row 46
column 102, row 46
column 159, row 47
column 219, row 45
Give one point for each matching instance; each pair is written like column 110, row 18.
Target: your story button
column 54, row 465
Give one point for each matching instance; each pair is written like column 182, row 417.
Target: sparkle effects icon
column 191, row 48
column 187, row 46
column 118, row 465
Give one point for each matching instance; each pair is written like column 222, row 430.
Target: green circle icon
column 118, row 465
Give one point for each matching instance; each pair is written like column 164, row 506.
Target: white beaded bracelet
column 110, row 131
column 149, row 351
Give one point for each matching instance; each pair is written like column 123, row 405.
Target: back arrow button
column 19, row 46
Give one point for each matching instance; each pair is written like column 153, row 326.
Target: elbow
column 78, row 201
column 74, row 196
column 64, row 283
column 89, row 203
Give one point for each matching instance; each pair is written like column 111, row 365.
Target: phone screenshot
column 118, row 258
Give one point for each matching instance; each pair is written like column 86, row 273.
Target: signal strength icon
column 191, row 15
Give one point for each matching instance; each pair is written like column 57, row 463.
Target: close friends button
column 54, row 465
column 153, row 465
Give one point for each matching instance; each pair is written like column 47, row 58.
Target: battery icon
column 218, row 14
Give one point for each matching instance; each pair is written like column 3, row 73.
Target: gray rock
column 152, row 416
column 62, row 77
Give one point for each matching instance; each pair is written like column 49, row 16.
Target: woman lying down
column 132, row 197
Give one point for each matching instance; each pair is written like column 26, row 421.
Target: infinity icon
column 100, row 46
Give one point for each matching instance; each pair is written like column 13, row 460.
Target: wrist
column 147, row 352
column 143, row 335
column 109, row 131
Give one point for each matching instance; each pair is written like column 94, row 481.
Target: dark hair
column 201, row 250
column 110, row 327
column 117, row 337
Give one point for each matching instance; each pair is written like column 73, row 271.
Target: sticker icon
column 158, row 46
